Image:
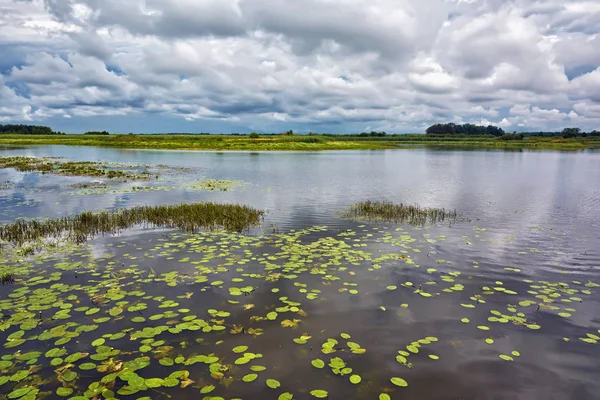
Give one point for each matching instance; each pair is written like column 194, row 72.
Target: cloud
column 338, row 66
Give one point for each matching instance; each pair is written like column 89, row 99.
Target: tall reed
column 401, row 213
column 187, row 217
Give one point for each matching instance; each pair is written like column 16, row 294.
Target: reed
column 187, row 217
column 7, row 278
column 399, row 213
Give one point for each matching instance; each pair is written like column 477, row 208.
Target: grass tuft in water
column 187, row 217
column 400, row 213
column 7, row 278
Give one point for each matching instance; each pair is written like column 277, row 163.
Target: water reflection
column 536, row 213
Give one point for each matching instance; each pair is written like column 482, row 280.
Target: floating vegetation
column 71, row 168
column 222, row 185
column 89, row 185
column 187, row 217
column 399, row 213
column 223, row 314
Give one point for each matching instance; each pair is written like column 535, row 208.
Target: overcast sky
column 307, row 65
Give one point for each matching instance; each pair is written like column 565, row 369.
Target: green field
column 299, row 142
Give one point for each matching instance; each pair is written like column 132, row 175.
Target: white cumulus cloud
column 339, row 66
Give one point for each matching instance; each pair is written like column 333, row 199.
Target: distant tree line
column 27, row 130
column 565, row 133
column 479, row 130
column 464, row 129
column 512, row 136
column 576, row 132
column 373, row 133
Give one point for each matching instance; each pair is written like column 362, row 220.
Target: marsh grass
column 7, row 278
column 187, row 217
column 68, row 168
column 400, row 213
column 299, row 142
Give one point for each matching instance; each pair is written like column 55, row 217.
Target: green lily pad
column 15, row 394
column 272, row 383
column 207, row 389
column 399, row 382
column 240, row 349
column 64, row 391
column 249, row 377
column 154, row 382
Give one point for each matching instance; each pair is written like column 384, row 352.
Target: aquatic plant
column 70, row 168
column 181, row 318
column 7, row 278
column 399, row 213
column 187, row 217
column 214, row 184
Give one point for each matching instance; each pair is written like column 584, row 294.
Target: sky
column 336, row 66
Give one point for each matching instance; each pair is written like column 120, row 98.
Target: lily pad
column 272, row 383
column 399, row 382
column 249, row 377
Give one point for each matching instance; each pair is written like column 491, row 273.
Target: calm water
column 533, row 229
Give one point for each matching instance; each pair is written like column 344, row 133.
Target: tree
column 465, row 129
column 512, row 136
column 289, row 133
column 27, row 130
column 570, row 132
column 254, row 135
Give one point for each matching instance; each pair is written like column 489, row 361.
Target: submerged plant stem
column 187, row 217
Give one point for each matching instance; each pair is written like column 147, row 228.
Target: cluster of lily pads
column 75, row 168
column 221, row 314
column 118, row 178
column 163, row 185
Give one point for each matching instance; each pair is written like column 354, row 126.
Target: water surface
column 532, row 227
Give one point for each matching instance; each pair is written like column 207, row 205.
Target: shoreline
column 298, row 142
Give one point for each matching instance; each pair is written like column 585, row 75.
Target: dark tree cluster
column 465, row 129
column 565, row 133
column 576, row 132
column 373, row 133
column 27, row 130
column 97, row 133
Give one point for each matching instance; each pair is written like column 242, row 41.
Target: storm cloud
column 336, row 66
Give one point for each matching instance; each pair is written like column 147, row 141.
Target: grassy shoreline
column 298, row 142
